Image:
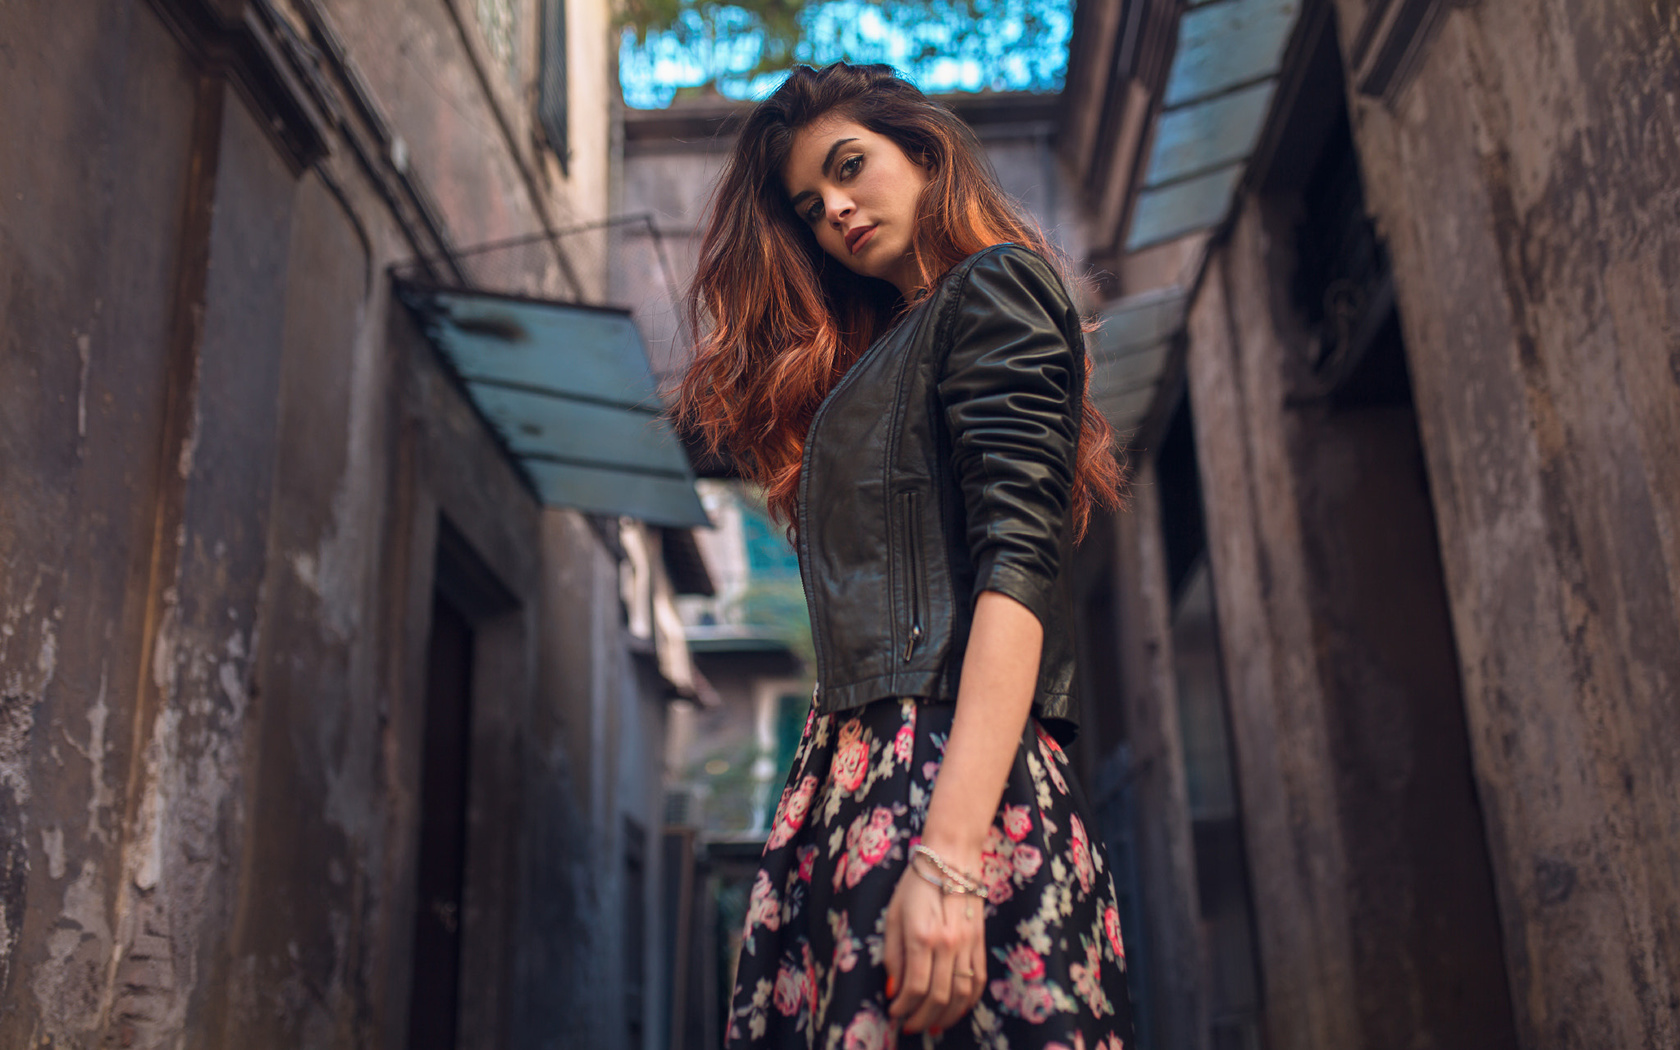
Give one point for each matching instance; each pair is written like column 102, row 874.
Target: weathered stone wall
column 227, row 459
column 1448, row 621
column 1277, row 703
column 1371, row 884
column 1524, row 178
column 85, row 381
column 458, row 81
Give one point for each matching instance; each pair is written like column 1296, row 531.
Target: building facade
column 1394, row 329
column 324, row 719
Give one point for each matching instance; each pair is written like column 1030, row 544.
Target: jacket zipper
column 805, row 489
column 913, row 539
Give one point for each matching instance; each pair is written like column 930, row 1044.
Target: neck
column 906, row 276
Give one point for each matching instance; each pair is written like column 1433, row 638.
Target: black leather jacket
column 941, row 465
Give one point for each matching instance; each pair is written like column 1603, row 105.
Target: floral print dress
column 812, row 971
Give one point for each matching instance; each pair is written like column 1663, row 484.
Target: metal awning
column 568, row 390
column 1221, row 83
column 734, row 638
column 1129, row 354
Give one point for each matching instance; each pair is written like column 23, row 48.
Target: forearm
column 994, row 697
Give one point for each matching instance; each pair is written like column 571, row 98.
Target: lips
column 855, row 238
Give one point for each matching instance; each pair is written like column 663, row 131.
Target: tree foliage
column 741, row 49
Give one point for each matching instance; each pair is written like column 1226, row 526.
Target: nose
column 839, row 208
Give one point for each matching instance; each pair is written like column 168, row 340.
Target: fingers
column 979, row 964
column 964, row 982
column 917, row 976
column 894, row 947
column 919, row 923
column 931, row 939
column 939, row 994
column 968, row 976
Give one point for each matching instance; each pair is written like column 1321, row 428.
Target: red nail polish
column 936, row 1032
column 892, row 986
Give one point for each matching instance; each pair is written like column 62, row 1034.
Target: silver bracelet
column 944, row 887
column 952, row 880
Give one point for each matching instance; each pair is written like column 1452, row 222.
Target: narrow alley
column 381, row 668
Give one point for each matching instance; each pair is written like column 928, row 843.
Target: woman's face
column 857, row 191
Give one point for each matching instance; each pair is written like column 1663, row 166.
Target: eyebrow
column 828, row 165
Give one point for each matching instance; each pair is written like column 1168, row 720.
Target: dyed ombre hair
column 776, row 321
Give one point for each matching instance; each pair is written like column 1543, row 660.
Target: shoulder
column 1007, row 285
column 1006, row 276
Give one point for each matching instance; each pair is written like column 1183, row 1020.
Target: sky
column 941, row 45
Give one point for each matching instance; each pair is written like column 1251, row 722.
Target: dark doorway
column 445, row 760
column 1427, row 945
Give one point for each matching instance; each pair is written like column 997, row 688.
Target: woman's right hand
column 936, row 954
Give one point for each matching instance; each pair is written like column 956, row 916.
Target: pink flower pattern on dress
column 763, row 909
column 868, row 841
column 1054, row 756
column 1032, row 1001
column 1082, row 855
column 1087, row 979
column 1017, row 822
column 845, row 955
column 1111, row 1042
column 847, row 948
column 851, row 757
column 1111, row 926
column 1026, row 963
column 811, row 972
column 1005, row 862
column 790, row 990
column 996, row 874
column 869, row 1030
column 902, row 743
column 790, row 814
column 1026, row 860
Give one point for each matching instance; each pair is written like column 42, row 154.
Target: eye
column 850, row 165
column 813, row 211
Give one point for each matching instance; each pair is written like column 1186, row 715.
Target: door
column 434, row 997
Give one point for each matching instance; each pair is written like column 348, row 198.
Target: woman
column 884, row 347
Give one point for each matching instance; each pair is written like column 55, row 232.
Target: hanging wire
column 528, row 264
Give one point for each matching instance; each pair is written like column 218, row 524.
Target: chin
column 871, row 263
column 858, row 266
column 880, row 265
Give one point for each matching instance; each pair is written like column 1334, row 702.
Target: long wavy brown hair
column 776, row 322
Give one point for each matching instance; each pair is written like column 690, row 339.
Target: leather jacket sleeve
column 1011, row 394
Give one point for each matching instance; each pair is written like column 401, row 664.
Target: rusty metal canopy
column 1218, row 91
column 568, row 390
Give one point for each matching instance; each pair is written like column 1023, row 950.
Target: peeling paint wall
column 228, row 463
